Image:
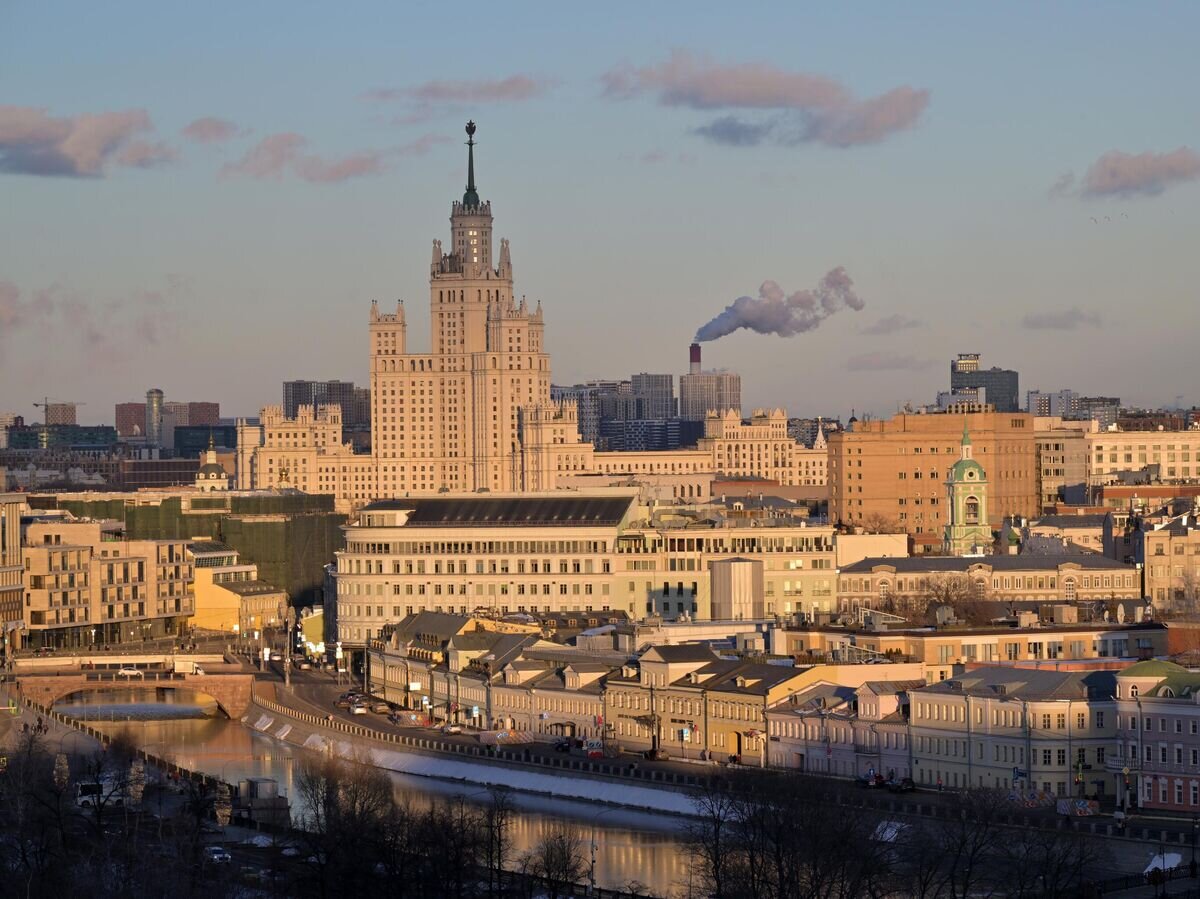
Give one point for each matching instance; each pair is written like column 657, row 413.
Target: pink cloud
column 145, row 155
column 512, row 88
column 1148, row 174
column 807, row 107
column 277, row 154
column 35, row 143
column 210, row 130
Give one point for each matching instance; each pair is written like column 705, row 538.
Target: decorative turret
column 505, row 259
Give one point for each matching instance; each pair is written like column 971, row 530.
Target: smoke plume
column 773, row 312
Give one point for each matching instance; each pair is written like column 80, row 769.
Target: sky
column 839, row 198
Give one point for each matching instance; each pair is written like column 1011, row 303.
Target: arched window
column 1133, row 692
column 971, row 510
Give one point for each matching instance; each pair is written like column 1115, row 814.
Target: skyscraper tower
column 154, row 416
column 450, row 419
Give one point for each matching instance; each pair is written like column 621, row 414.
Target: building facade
column 86, row 585
column 891, row 474
column 701, row 392
column 1000, row 385
column 561, row 552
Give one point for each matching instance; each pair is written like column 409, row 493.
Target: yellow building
column 229, row 596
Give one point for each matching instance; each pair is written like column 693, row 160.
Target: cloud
column 1117, row 174
column 58, row 318
column 884, row 361
column 278, row 154
column 1064, row 320
column 657, row 157
column 773, row 312
column 891, row 324
column 210, row 130
column 422, row 145
column 146, row 155
column 512, row 88
column 34, row 143
column 799, row 107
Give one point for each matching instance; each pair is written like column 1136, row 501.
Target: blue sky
column 914, row 146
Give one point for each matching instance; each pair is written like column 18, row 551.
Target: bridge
column 232, row 692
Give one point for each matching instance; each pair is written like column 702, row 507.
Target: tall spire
column 471, row 197
column 966, row 440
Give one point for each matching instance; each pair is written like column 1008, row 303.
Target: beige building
column 560, row 552
column 942, row 648
column 1175, row 455
column 85, row 585
column 229, row 596
column 1171, row 553
column 1062, row 459
column 12, row 565
column 892, row 473
column 1026, row 728
column 912, row 583
column 761, row 448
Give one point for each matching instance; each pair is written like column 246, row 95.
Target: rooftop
column 509, row 511
column 921, row 564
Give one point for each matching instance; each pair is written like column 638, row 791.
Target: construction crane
column 46, row 403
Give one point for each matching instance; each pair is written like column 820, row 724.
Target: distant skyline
column 207, row 202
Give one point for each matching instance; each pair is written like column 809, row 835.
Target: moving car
column 130, row 672
column 358, row 708
column 217, row 855
column 903, row 785
column 562, row 746
column 452, row 729
column 657, row 755
column 379, row 707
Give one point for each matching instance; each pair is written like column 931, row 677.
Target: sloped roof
column 509, row 511
column 1030, row 683
column 684, row 652
column 932, row 564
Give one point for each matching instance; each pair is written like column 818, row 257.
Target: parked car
column 865, row 780
column 358, row 708
column 452, row 729
column 379, row 707
column 130, row 672
column 217, row 855
column 903, row 785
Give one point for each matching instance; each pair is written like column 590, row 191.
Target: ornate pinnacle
column 471, row 197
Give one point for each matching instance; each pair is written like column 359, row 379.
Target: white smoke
column 773, row 312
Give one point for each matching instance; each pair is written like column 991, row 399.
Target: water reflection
column 188, row 729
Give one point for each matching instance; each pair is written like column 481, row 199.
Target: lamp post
column 1192, row 864
column 594, row 847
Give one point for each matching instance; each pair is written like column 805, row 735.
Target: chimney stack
column 694, row 357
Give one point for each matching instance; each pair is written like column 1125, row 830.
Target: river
column 187, row 728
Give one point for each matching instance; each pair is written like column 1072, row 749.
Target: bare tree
column 558, row 860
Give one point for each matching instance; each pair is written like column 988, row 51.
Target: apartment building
column 1156, row 760
column 1170, row 553
column 1050, row 732
column 86, row 585
column 562, row 552
column 1171, row 456
column 892, row 473
column 762, row 448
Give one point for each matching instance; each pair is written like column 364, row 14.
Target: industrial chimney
column 694, row 357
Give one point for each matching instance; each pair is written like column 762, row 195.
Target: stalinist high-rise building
column 451, row 418
column 472, row 414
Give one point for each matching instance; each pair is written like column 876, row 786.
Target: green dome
column 967, row 470
column 1153, row 668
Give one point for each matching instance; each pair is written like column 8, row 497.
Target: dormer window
column 1133, row 692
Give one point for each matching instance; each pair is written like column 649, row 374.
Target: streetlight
column 592, row 863
column 1192, row 864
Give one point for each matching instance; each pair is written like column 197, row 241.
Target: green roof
column 1154, row 668
column 960, row 468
